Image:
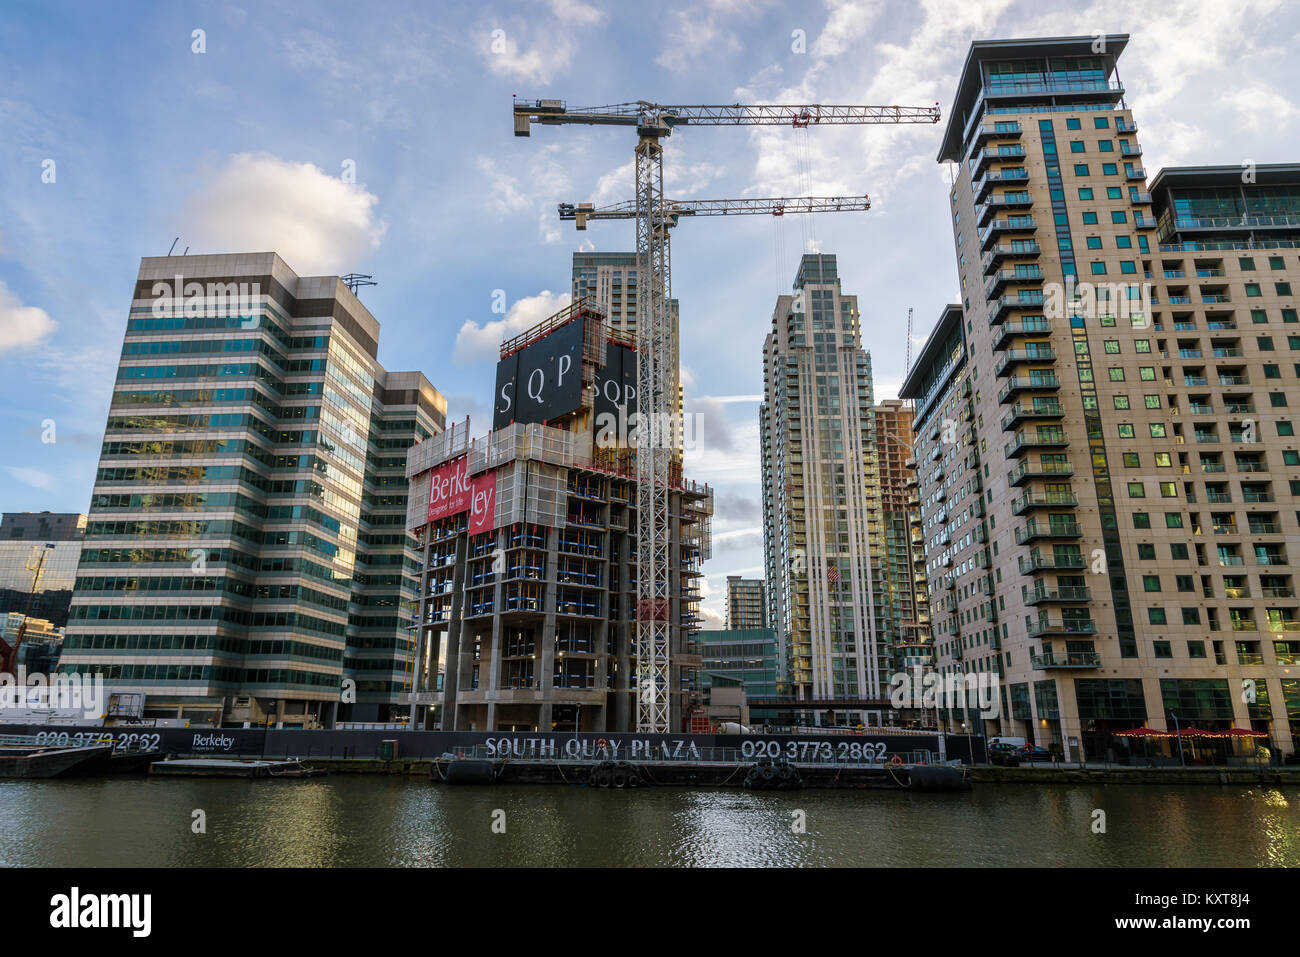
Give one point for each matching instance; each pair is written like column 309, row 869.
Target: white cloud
column 21, row 326
column 547, row 184
column 698, row 32
column 475, row 343
column 1261, row 107
column 554, row 42
column 712, row 431
column 318, row 224
column 731, row 399
column 502, row 189
column 846, row 27
column 33, row 477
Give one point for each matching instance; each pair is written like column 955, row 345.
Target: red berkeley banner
column 483, row 503
column 449, row 489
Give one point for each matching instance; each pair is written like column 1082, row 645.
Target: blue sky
column 244, row 147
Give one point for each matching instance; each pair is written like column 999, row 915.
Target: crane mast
column 653, row 122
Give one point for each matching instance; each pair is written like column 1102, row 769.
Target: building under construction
column 529, row 538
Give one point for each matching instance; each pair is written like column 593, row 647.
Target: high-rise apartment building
column 821, row 498
column 246, row 558
column 1112, row 408
column 951, row 509
column 900, row 592
column 44, row 542
column 746, row 602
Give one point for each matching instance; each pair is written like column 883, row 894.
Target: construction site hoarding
column 483, row 502
column 449, row 489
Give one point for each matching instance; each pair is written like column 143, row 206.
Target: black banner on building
column 616, row 388
column 542, row 381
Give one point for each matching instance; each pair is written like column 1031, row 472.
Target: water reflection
column 344, row 821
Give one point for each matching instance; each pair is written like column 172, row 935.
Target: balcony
column 1002, row 177
column 1005, row 277
column 1017, row 384
column 1130, row 149
column 1022, row 249
column 1034, row 530
column 1004, row 227
column 1076, row 660
column 1107, row 91
column 1007, row 202
column 1053, row 500
column 1030, row 326
column 1144, row 222
column 1190, row 223
column 1022, row 300
column 1125, row 126
column 1038, row 354
column 1003, row 128
column 1023, row 413
column 990, row 154
column 1136, row 172
column 1032, row 470
column 1040, row 594
column 1140, row 198
column 1037, row 563
column 1051, row 626
column 1047, row 438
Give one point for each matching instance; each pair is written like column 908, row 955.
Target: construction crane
column 653, row 122
column 9, row 655
column 583, row 213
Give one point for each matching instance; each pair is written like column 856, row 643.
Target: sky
column 377, row 138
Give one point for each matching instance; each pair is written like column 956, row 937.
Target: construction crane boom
column 656, row 384
column 582, row 213
column 641, row 113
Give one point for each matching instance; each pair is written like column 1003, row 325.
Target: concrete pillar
column 1282, row 737
column 544, row 670
column 459, row 664
column 492, row 658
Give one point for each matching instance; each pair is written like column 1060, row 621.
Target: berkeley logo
column 73, row 910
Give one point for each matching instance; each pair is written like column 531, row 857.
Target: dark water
column 345, row 821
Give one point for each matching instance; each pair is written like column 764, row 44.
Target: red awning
column 1190, row 733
